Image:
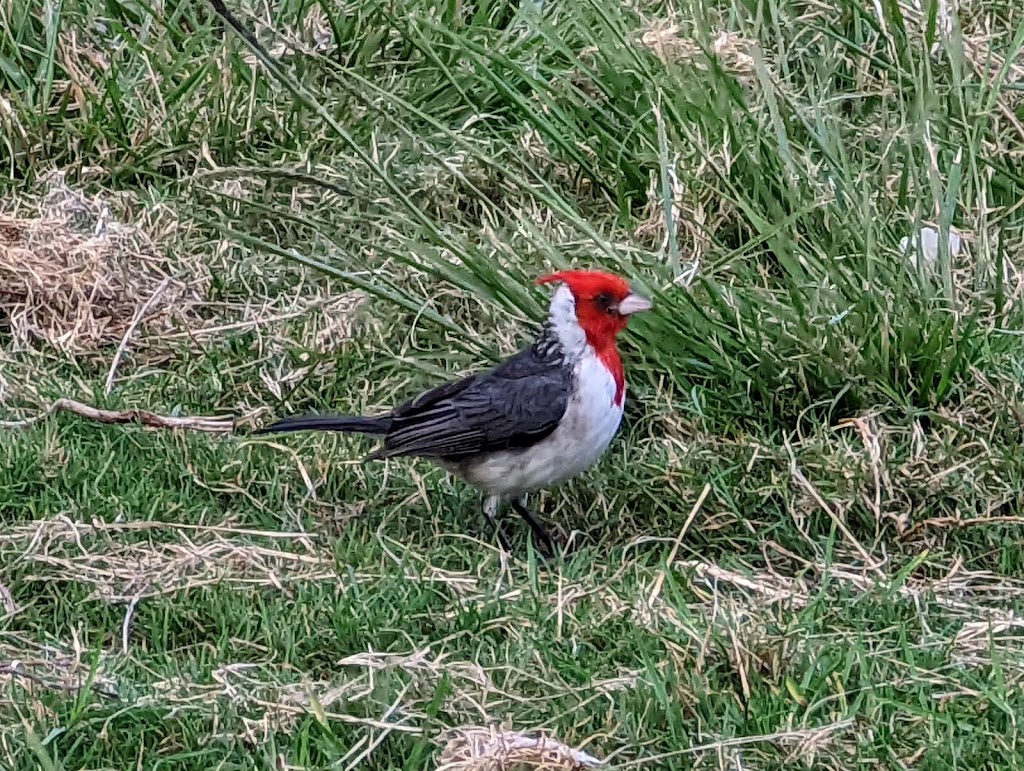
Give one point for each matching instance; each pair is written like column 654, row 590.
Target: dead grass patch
column 664, row 39
column 984, row 605
column 312, row 35
column 61, row 549
column 873, row 472
column 495, row 749
column 74, row 276
column 28, row 667
column 253, row 700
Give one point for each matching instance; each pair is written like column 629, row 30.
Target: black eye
column 606, row 303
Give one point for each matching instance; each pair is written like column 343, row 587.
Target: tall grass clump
column 758, row 180
column 755, row 166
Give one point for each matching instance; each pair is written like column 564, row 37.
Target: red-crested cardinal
column 539, row 418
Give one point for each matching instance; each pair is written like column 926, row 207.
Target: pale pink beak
column 633, row 303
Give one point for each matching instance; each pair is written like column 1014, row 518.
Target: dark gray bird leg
column 538, row 530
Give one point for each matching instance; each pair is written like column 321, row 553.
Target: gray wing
column 513, row 406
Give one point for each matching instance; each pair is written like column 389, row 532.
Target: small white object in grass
column 838, row 317
column 927, row 244
column 102, row 221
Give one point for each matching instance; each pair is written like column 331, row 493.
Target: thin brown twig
column 224, row 425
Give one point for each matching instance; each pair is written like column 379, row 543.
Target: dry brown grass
column 738, row 619
column 134, row 292
column 681, row 226
column 252, row 699
column 268, row 699
column 29, row 668
column 77, row 278
column 129, row 572
column 747, row 602
column 495, row 749
column 7, row 387
column 667, row 40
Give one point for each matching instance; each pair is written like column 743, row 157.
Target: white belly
column 588, row 426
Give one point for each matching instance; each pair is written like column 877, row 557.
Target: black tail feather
column 353, row 424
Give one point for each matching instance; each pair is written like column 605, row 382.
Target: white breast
column 588, row 426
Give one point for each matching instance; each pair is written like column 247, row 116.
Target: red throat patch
column 613, row 363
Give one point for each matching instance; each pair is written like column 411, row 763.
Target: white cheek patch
column 562, row 317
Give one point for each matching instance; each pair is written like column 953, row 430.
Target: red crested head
column 604, row 302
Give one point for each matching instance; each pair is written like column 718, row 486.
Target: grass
column 804, row 548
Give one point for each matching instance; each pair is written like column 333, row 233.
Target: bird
column 540, row 417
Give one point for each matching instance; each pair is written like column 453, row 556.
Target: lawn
column 804, row 548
